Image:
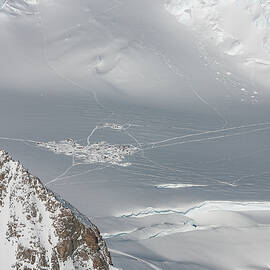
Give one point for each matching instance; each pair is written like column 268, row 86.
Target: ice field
column 160, row 137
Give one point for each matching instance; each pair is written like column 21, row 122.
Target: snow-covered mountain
column 240, row 29
column 151, row 117
column 39, row 230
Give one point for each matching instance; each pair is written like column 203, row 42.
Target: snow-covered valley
column 138, row 114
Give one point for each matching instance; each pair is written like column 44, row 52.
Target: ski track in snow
column 164, row 170
column 64, row 176
column 209, row 132
column 142, row 148
column 67, row 79
column 205, row 139
column 168, row 142
column 171, row 66
column 216, row 69
column 181, row 74
column 265, row 149
column 135, row 258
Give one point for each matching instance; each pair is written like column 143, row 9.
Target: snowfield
column 239, row 28
column 151, row 117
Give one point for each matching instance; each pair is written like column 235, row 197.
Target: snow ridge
column 40, row 230
column 248, row 36
column 18, row 7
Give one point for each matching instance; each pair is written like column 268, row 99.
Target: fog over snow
column 150, row 117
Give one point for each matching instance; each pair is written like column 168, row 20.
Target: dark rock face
column 39, row 230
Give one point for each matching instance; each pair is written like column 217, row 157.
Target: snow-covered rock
column 237, row 27
column 18, row 7
column 39, row 230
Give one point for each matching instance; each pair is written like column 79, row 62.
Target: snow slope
column 146, row 124
column 239, row 28
column 39, row 230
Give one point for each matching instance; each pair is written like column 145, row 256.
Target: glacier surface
column 183, row 85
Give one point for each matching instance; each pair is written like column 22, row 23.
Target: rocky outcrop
column 39, row 230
